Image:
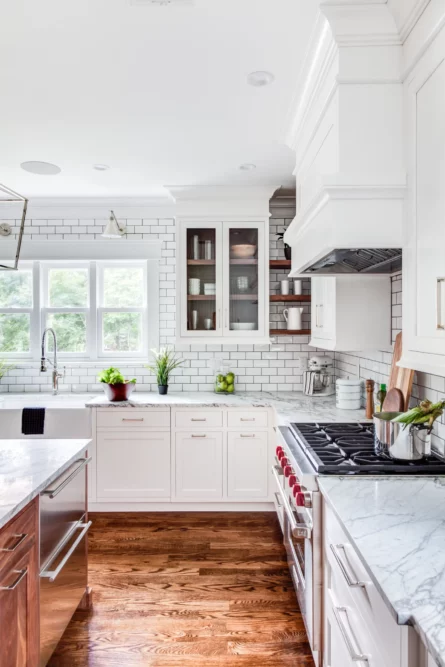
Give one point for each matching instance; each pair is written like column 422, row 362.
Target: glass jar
column 224, row 381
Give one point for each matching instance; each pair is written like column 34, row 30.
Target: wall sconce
column 5, row 229
column 112, row 229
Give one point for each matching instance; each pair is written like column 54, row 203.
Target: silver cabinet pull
column 200, row 435
column 20, row 538
column 247, row 419
column 132, row 420
column 22, row 574
column 355, row 657
column 204, row 419
column 52, row 493
column 440, row 320
column 52, row 574
column 345, row 573
column 247, row 435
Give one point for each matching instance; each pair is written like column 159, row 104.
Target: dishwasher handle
column 52, row 493
column 52, row 574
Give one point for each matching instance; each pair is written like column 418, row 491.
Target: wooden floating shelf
column 303, row 298
column 201, row 262
column 280, row 263
column 201, row 297
column 290, row 332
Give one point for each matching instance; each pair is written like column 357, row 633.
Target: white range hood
column 346, row 215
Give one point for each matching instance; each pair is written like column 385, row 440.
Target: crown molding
column 410, row 20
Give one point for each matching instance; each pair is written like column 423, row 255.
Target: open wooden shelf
column 201, row 262
column 280, row 263
column 290, row 332
column 303, row 298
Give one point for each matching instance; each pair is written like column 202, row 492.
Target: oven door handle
column 52, row 574
column 298, row 529
column 351, row 583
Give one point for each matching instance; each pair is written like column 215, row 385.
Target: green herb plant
column 114, row 376
column 425, row 413
column 4, row 368
column 165, row 361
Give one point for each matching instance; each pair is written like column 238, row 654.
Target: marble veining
column 289, row 406
column 29, row 466
column 398, row 528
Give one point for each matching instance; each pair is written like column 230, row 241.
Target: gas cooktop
column 348, row 449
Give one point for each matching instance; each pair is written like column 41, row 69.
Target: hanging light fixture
column 5, row 229
column 112, row 229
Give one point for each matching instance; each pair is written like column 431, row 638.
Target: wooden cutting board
column 394, row 401
column 400, row 378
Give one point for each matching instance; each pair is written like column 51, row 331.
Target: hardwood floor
column 187, row 589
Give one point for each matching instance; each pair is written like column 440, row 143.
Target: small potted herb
column 4, row 368
column 287, row 248
column 165, row 361
column 116, row 387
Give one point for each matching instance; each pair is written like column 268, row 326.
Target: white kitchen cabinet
column 351, row 313
column 132, row 465
column 223, row 286
column 247, row 469
column 423, row 257
column 199, row 469
column 336, row 649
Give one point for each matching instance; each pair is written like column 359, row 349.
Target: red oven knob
column 288, row 470
column 303, row 499
column 296, row 489
column 292, row 480
column 279, row 452
column 284, row 462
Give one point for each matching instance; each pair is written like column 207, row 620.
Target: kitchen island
column 397, row 527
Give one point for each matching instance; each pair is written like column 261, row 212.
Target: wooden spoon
column 394, row 401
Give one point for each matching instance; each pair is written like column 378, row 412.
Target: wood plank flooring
column 187, row 589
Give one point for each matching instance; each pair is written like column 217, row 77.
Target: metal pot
column 405, row 443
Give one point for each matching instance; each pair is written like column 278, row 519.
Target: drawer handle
column 52, row 493
column 132, row 420
column 202, row 435
column 22, row 574
column 440, row 321
column 247, row 419
column 199, row 420
column 21, row 538
column 247, row 435
column 52, row 574
column 345, row 573
column 355, row 657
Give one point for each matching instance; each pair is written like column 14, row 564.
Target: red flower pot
column 118, row 392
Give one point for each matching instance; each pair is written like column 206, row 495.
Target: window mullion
column 35, row 321
column 92, row 328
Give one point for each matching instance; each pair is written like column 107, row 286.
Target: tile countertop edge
column 401, row 618
column 44, row 483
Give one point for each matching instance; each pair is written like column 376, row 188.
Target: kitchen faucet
column 55, row 373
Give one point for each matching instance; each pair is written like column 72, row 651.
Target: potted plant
column 165, row 361
column 116, row 387
column 287, row 248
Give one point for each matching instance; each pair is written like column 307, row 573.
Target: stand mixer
column 319, row 379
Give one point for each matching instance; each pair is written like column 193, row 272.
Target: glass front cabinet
column 223, row 282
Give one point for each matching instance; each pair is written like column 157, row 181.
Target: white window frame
column 94, row 312
column 101, row 309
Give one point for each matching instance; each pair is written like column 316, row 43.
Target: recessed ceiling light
column 260, row 79
column 100, row 167
column 248, row 167
column 42, row 168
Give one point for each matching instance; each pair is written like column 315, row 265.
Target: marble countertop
column 289, row 406
column 29, row 466
column 398, row 528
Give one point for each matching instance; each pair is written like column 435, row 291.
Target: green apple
column 222, row 386
column 230, row 388
column 220, row 378
column 230, row 377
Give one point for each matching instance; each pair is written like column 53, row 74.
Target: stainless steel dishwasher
column 63, row 553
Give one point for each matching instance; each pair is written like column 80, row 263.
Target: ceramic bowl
column 243, row 251
column 243, row 326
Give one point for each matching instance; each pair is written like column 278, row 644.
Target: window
column 97, row 309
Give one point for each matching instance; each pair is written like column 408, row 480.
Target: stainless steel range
column 306, row 451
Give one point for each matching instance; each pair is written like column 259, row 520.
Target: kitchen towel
column 33, row 421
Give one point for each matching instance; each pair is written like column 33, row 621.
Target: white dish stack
column 349, row 394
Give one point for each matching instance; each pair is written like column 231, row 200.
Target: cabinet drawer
column 128, row 418
column 18, row 534
column 241, row 419
column 352, row 585
column 196, row 420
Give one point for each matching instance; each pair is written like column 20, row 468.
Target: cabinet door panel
column 199, row 465
column 247, row 470
column 133, row 466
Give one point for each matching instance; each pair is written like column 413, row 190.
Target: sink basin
column 66, row 415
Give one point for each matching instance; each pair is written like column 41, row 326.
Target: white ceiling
column 157, row 93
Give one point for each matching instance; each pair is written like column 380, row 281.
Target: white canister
column 194, row 286
column 284, row 287
column 348, row 394
column 293, row 318
column 298, row 287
